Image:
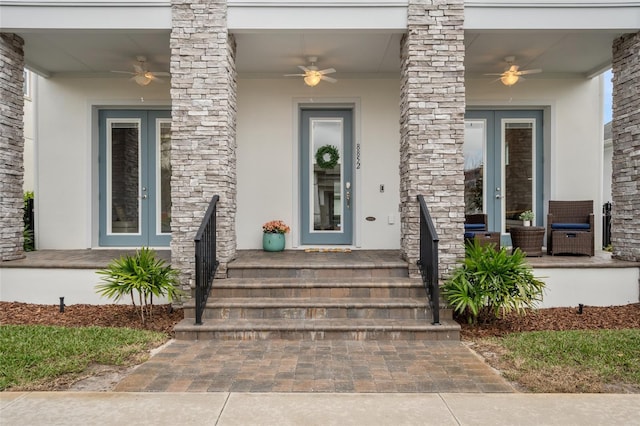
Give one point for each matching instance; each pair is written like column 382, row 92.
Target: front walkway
column 314, row 366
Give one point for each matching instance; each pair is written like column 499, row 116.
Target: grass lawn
column 33, row 354
column 573, row 361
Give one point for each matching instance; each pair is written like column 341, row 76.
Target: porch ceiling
column 353, row 54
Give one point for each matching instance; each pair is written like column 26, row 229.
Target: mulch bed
column 164, row 318
column 591, row 318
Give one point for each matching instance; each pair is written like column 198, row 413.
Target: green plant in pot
column 141, row 275
column 527, row 217
column 490, row 283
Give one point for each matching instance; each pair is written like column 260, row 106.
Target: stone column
column 625, row 222
column 432, row 107
column 11, row 146
column 203, row 129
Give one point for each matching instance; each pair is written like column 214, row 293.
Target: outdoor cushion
column 474, row 226
column 569, row 226
column 469, row 235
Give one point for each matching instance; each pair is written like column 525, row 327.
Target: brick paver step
column 318, row 287
column 317, row 329
column 310, row 308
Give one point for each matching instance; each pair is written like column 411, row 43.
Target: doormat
column 327, row 250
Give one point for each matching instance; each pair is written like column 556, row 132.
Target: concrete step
column 315, row 308
column 316, row 287
column 317, row 329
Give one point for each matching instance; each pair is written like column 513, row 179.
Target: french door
column 326, row 176
column 135, row 178
column 503, row 165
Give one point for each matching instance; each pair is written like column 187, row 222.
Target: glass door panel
column 326, row 189
column 519, row 173
column 135, row 178
column 326, row 186
column 164, row 177
column 123, row 169
column 474, row 161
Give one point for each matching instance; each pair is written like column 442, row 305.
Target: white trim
column 108, row 165
column 312, row 190
column 158, row 173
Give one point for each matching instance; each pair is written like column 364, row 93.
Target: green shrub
column 29, row 243
column 141, row 274
column 490, row 283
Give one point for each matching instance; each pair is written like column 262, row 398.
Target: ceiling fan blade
column 327, row 71
column 154, row 78
column 494, row 73
column 533, row 71
column 124, row 72
column 303, row 68
column 160, row 73
column 138, row 68
column 329, row 79
column 295, row 75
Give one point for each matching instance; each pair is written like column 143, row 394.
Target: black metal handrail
column 606, row 225
column 428, row 261
column 206, row 257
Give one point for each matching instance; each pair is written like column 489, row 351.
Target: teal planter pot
column 272, row 242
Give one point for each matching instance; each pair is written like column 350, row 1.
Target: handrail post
column 428, row 261
column 206, row 262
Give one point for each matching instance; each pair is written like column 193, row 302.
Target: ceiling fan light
column 142, row 79
column 312, row 78
column 509, row 79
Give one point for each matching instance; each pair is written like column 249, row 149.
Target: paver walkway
column 314, row 366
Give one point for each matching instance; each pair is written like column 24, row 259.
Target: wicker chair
column 475, row 228
column 570, row 228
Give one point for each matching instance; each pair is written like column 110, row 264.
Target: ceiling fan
column 141, row 75
column 513, row 74
column 312, row 75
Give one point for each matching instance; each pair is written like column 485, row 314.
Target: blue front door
column 135, row 178
column 326, row 170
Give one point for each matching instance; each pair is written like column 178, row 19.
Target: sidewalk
column 225, row 409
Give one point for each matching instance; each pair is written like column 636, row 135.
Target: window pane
column 473, row 149
column 165, row 177
column 518, row 166
column 125, row 178
column 326, row 202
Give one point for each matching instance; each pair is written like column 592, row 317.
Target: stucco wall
column 67, row 178
column 268, row 164
column 572, row 132
column 267, row 168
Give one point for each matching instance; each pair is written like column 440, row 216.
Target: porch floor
column 96, row 259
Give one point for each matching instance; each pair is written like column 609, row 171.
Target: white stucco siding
column 67, row 161
column 572, row 132
column 268, row 165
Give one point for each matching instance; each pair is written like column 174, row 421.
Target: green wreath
column 334, row 156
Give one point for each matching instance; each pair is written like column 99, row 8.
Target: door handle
column 144, row 196
column 498, row 196
column 348, row 194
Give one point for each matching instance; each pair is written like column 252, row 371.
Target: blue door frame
column 142, row 186
column 494, row 168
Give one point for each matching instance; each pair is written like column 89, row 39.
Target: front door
column 326, row 171
column 503, row 166
column 135, row 177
